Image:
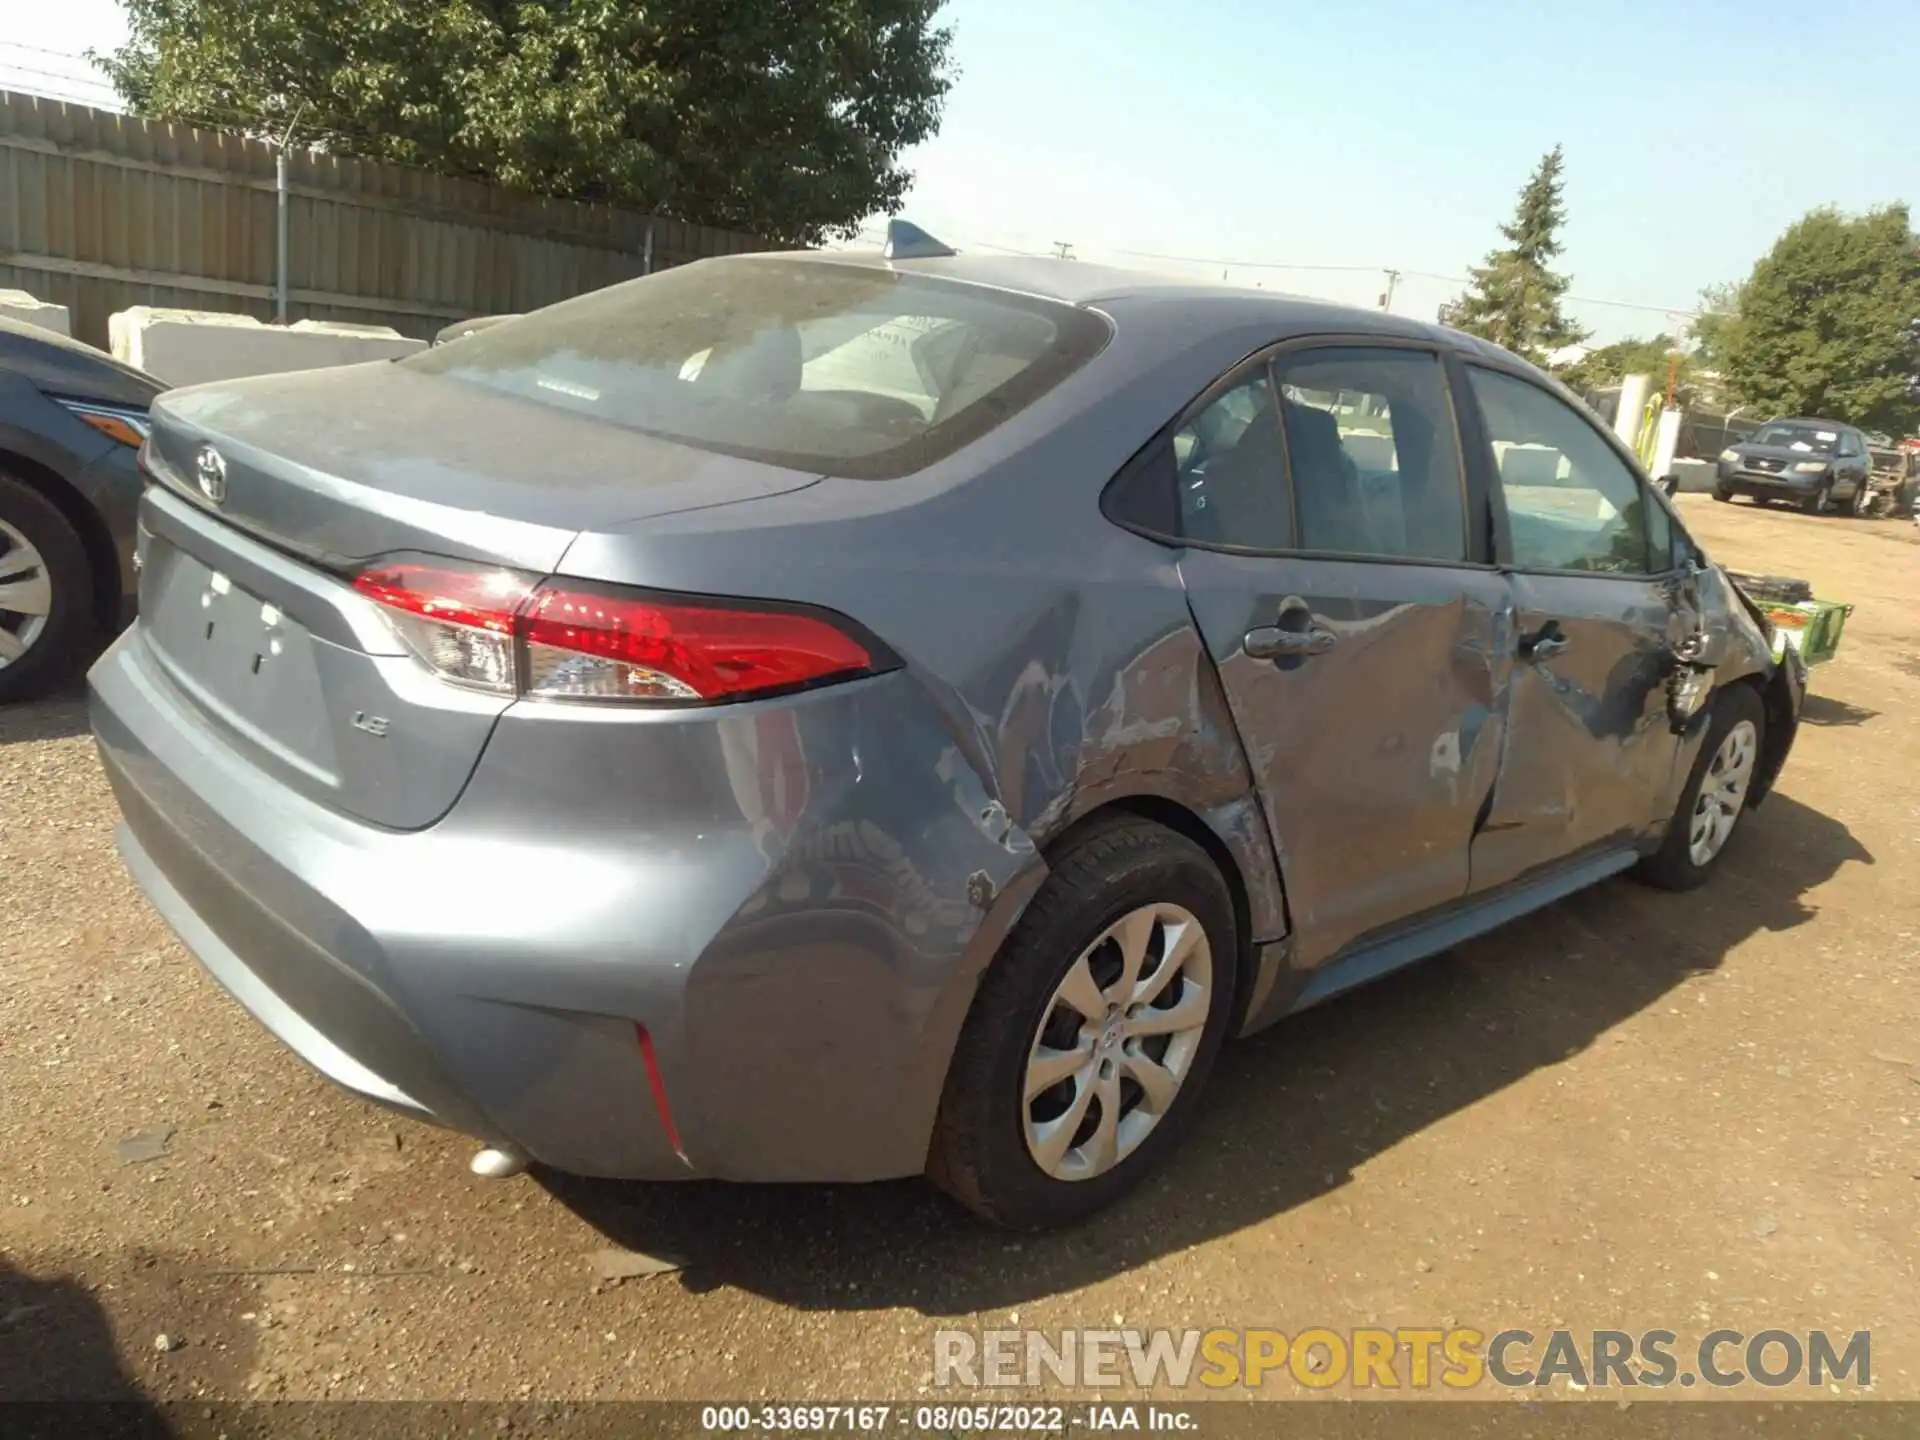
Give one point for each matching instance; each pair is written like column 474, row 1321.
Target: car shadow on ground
column 1290, row 1114
column 1825, row 710
column 59, row 716
column 60, row 1373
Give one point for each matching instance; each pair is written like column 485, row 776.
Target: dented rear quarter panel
column 1059, row 673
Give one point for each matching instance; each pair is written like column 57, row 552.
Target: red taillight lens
column 459, row 622
column 494, row 630
column 594, row 644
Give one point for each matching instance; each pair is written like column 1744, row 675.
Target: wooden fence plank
column 106, row 211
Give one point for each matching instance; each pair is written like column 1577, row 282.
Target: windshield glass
column 1796, row 437
column 848, row 370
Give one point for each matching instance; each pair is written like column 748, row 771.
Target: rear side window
column 1372, row 451
column 1231, row 472
column 847, row 370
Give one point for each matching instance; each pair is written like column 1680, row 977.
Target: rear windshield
column 843, row 369
column 1796, row 437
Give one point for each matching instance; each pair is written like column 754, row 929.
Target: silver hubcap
column 1723, row 791
column 26, row 594
column 1117, row 1042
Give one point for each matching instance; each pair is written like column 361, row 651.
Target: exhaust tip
column 499, row 1162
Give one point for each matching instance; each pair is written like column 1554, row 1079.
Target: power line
column 1253, row 264
column 43, row 50
column 9, row 68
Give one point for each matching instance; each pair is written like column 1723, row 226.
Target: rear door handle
column 1270, row 642
column 1544, row 643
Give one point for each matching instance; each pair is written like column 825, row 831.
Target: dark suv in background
column 1821, row 465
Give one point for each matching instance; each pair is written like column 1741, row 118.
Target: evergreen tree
column 1514, row 299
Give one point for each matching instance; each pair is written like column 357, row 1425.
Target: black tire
column 1818, row 502
column 979, row 1153
column 60, row 648
column 1672, row 866
column 1725, row 497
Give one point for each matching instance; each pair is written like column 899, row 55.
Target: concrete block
column 189, row 347
column 1696, row 476
column 19, row 305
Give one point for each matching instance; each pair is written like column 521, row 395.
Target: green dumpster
column 1812, row 627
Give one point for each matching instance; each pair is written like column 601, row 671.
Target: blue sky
column 1399, row 133
column 1393, row 134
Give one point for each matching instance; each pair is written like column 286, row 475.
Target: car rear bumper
column 799, row 943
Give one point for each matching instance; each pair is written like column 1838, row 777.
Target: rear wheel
column 1715, row 797
column 1725, row 497
column 46, row 593
column 1094, row 1031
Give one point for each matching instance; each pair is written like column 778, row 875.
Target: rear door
column 1338, row 570
column 1601, row 607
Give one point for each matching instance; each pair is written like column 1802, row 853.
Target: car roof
column 1808, row 420
column 1080, row 283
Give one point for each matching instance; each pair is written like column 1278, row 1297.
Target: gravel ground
column 1632, row 1110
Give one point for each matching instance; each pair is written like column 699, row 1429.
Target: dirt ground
column 1632, row 1110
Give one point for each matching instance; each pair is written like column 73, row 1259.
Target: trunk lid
column 246, row 599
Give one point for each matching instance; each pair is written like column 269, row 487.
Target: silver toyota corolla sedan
column 814, row 717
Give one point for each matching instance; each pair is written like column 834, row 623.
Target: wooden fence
column 100, row 211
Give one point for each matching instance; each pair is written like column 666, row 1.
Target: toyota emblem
column 210, row 470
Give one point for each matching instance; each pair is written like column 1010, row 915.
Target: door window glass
column 1372, row 453
column 1660, row 538
column 1233, row 488
column 1572, row 502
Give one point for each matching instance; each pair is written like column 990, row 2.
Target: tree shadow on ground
column 1401, row 1055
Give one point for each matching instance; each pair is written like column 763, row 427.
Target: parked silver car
column 813, row 717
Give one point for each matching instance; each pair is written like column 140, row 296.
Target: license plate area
column 245, row 661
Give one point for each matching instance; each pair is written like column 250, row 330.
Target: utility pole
column 1679, row 333
column 1062, row 250
column 1393, row 280
column 280, row 191
column 280, row 269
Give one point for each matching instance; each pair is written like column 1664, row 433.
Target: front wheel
column 1093, row 1032
column 46, row 593
column 1818, row 502
column 1862, row 500
column 1715, row 797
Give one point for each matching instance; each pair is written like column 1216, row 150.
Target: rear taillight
column 497, row 631
column 458, row 622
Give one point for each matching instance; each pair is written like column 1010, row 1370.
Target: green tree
column 1606, row 365
column 1829, row 322
column 1514, row 299
column 784, row 120
column 1719, row 308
